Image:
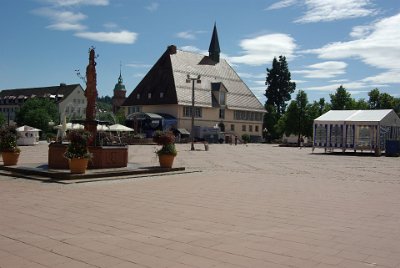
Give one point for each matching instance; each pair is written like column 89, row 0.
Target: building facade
column 70, row 100
column 221, row 99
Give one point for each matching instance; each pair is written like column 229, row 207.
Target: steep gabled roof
column 62, row 89
column 158, row 79
column 169, row 75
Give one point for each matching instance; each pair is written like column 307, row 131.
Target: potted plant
column 77, row 151
column 8, row 145
column 167, row 152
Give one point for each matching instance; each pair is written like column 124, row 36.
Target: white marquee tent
column 28, row 135
column 356, row 129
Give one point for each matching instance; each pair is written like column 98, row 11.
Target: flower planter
column 78, row 165
column 166, row 160
column 10, row 158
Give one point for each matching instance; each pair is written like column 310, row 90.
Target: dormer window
column 222, row 98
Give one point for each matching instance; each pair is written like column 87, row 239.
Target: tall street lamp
column 198, row 81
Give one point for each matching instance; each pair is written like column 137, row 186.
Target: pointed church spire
column 120, row 80
column 214, row 50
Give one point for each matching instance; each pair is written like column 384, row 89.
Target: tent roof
column 354, row 115
column 27, row 129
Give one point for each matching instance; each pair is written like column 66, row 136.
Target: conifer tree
column 279, row 85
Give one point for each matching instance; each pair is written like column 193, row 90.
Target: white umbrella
column 102, row 128
column 69, row 126
column 119, row 128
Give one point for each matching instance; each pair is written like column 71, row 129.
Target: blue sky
column 328, row 43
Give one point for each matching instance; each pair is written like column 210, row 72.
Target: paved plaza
column 255, row 205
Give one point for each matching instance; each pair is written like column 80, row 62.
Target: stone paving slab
column 251, row 206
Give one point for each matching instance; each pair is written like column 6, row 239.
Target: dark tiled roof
column 169, row 75
column 61, row 89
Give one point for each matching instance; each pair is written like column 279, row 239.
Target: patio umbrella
column 119, row 128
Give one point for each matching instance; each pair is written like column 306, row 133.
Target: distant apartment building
column 70, row 100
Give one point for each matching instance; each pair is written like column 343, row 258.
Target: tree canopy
column 37, row 112
column 279, row 85
column 341, row 100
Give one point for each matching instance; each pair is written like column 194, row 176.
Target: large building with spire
column 221, row 100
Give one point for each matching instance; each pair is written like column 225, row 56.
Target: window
column 138, row 96
column 187, row 111
column 247, row 115
column 256, row 128
column 250, row 128
column 161, row 95
column 221, row 113
column 243, row 127
column 222, row 98
column 149, row 95
column 133, row 109
column 232, row 127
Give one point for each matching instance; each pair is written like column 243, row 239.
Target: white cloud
column 153, row 7
column 379, row 49
column 110, row 25
column 331, row 10
column 62, row 20
column 338, row 81
column 361, row 31
column 282, row 4
column 386, row 77
column 186, row 35
column 252, row 76
column 350, row 86
column 299, row 81
column 138, row 65
column 194, row 49
column 122, row 37
column 326, row 69
column 79, row 2
column 262, row 49
column 65, row 26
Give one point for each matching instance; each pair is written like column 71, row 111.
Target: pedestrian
column 301, row 143
column 236, row 140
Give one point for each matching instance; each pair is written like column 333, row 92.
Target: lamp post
column 198, row 81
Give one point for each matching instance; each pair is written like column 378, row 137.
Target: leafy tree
column 104, row 99
column 37, row 112
column 279, row 85
column 386, row 101
column 2, row 119
column 270, row 121
column 379, row 100
column 361, row 104
column 291, row 119
column 341, row 100
column 297, row 118
column 120, row 117
column 374, row 99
